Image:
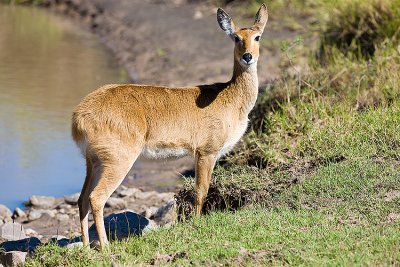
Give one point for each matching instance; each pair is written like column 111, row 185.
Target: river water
column 47, row 65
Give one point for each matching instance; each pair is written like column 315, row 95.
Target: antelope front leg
column 204, row 167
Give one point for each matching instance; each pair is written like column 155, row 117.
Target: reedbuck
column 116, row 123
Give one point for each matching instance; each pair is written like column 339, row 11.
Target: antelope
column 116, row 123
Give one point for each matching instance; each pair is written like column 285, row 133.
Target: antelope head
column 247, row 40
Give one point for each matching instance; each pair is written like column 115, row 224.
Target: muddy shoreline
column 171, row 42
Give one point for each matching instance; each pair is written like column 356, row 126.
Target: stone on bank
column 12, row 258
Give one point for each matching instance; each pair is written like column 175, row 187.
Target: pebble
column 13, row 258
column 12, row 231
column 167, row 213
column 50, row 213
column 5, row 213
column 128, row 192
column 61, row 211
column 74, row 245
column 118, row 190
column 149, row 213
column 58, row 237
column 198, row 15
column 19, row 213
column 72, row 211
column 42, row 201
column 30, row 232
column 167, row 196
column 64, row 206
column 146, row 195
column 34, row 215
column 72, row 199
column 62, row 217
column 116, row 203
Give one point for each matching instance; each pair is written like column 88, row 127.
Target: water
column 47, row 65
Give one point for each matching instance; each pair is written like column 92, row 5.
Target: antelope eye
column 257, row 38
column 237, row 39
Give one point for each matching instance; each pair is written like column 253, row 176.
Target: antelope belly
column 157, row 153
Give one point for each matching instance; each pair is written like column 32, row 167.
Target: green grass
column 338, row 216
column 348, row 107
column 360, row 26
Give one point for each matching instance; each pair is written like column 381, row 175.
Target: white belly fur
column 160, row 153
column 234, row 137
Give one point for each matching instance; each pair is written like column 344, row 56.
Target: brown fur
column 116, row 123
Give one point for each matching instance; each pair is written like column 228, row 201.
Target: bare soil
column 175, row 43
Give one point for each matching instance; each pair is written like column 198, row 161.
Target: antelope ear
column 226, row 23
column 261, row 18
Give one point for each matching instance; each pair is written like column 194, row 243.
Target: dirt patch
column 234, row 188
column 257, row 257
column 162, row 259
column 166, row 42
column 392, row 195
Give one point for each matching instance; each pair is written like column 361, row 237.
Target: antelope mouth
column 245, row 63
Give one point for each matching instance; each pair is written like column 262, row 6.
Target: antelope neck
column 245, row 84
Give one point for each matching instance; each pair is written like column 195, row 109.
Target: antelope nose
column 247, row 57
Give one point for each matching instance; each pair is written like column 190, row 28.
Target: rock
column 12, row 231
column 34, row 214
column 30, row 232
column 167, row 213
column 198, row 15
column 19, row 213
column 149, row 213
column 62, row 217
column 72, row 199
column 64, row 206
column 26, row 245
column 129, row 192
column 75, row 234
column 5, row 213
column 118, row 190
column 150, row 227
column 42, row 201
column 58, row 237
column 116, row 203
column 167, row 196
column 146, row 195
column 62, row 211
column 62, row 241
column 13, row 258
column 50, row 213
column 74, row 245
column 121, row 225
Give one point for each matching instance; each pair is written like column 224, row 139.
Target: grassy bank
column 316, row 181
column 343, row 214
